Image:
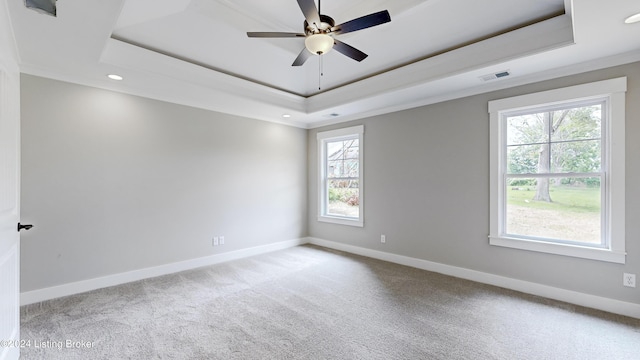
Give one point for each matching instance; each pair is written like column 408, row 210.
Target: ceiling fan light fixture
column 319, row 44
column 319, row 30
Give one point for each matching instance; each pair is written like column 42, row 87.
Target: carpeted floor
column 312, row 303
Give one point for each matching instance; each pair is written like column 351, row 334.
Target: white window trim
column 614, row 90
column 334, row 135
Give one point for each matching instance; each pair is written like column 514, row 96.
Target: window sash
column 602, row 101
column 604, row 241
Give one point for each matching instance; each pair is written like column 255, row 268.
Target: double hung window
column 557, row 168
column 340, row 181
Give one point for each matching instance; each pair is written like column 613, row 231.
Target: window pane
column 351, row 168
column 579, row 123
column 563, row 140
column 335, row 168
column 344, row 198
column 576, row 156
column 340, row 150
column 352, row 149
column 564, row 208
column 528, row 159
column 342, row 158
column 526, row 129
column 334, row 150
column 342, row 168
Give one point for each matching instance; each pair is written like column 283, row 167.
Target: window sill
column 560, row 249
column 341, row 221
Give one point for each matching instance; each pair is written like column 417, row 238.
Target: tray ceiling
column 197, row 53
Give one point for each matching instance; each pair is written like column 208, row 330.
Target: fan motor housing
column 326, row 23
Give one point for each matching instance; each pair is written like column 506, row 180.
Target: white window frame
column 323, row 197
column 613, row 142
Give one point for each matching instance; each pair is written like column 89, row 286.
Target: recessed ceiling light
column 286, row 116
column 632, row 19
column 115, row 77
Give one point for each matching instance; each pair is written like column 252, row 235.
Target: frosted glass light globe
column 319, row 44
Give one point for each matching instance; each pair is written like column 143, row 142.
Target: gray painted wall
column 426, row 180
column 115, row 182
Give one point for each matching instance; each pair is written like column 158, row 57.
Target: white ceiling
column 196, row 52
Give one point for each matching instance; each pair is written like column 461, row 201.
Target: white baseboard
column 34, row 296
column 572, row 297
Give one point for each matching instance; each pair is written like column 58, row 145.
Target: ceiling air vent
column 42, row 6
column 497, row 75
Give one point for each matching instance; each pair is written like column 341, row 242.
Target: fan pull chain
column 320, row 67
column 320, row 72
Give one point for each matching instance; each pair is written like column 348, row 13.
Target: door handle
column 24, row 227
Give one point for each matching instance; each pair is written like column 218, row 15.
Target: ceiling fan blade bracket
column 325, row 26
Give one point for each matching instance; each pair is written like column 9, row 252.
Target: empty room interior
column 300, row 179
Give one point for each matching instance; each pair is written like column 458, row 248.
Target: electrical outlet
column 383, row 239
column 216, row 241
column 629, row 280
column 221, row 240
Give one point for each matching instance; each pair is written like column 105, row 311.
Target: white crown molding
column 539, row 37
column 506, row 83
column 420, row 95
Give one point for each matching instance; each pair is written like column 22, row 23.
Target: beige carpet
column 313, row 303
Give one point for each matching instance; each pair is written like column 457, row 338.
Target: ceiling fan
column 319, row 31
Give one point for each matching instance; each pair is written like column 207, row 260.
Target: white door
column 9, row 215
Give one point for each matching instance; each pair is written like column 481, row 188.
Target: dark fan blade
column 364, row 22
column 302, row 57
column 310, row 11
column 273, row 34
column 349, row 50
